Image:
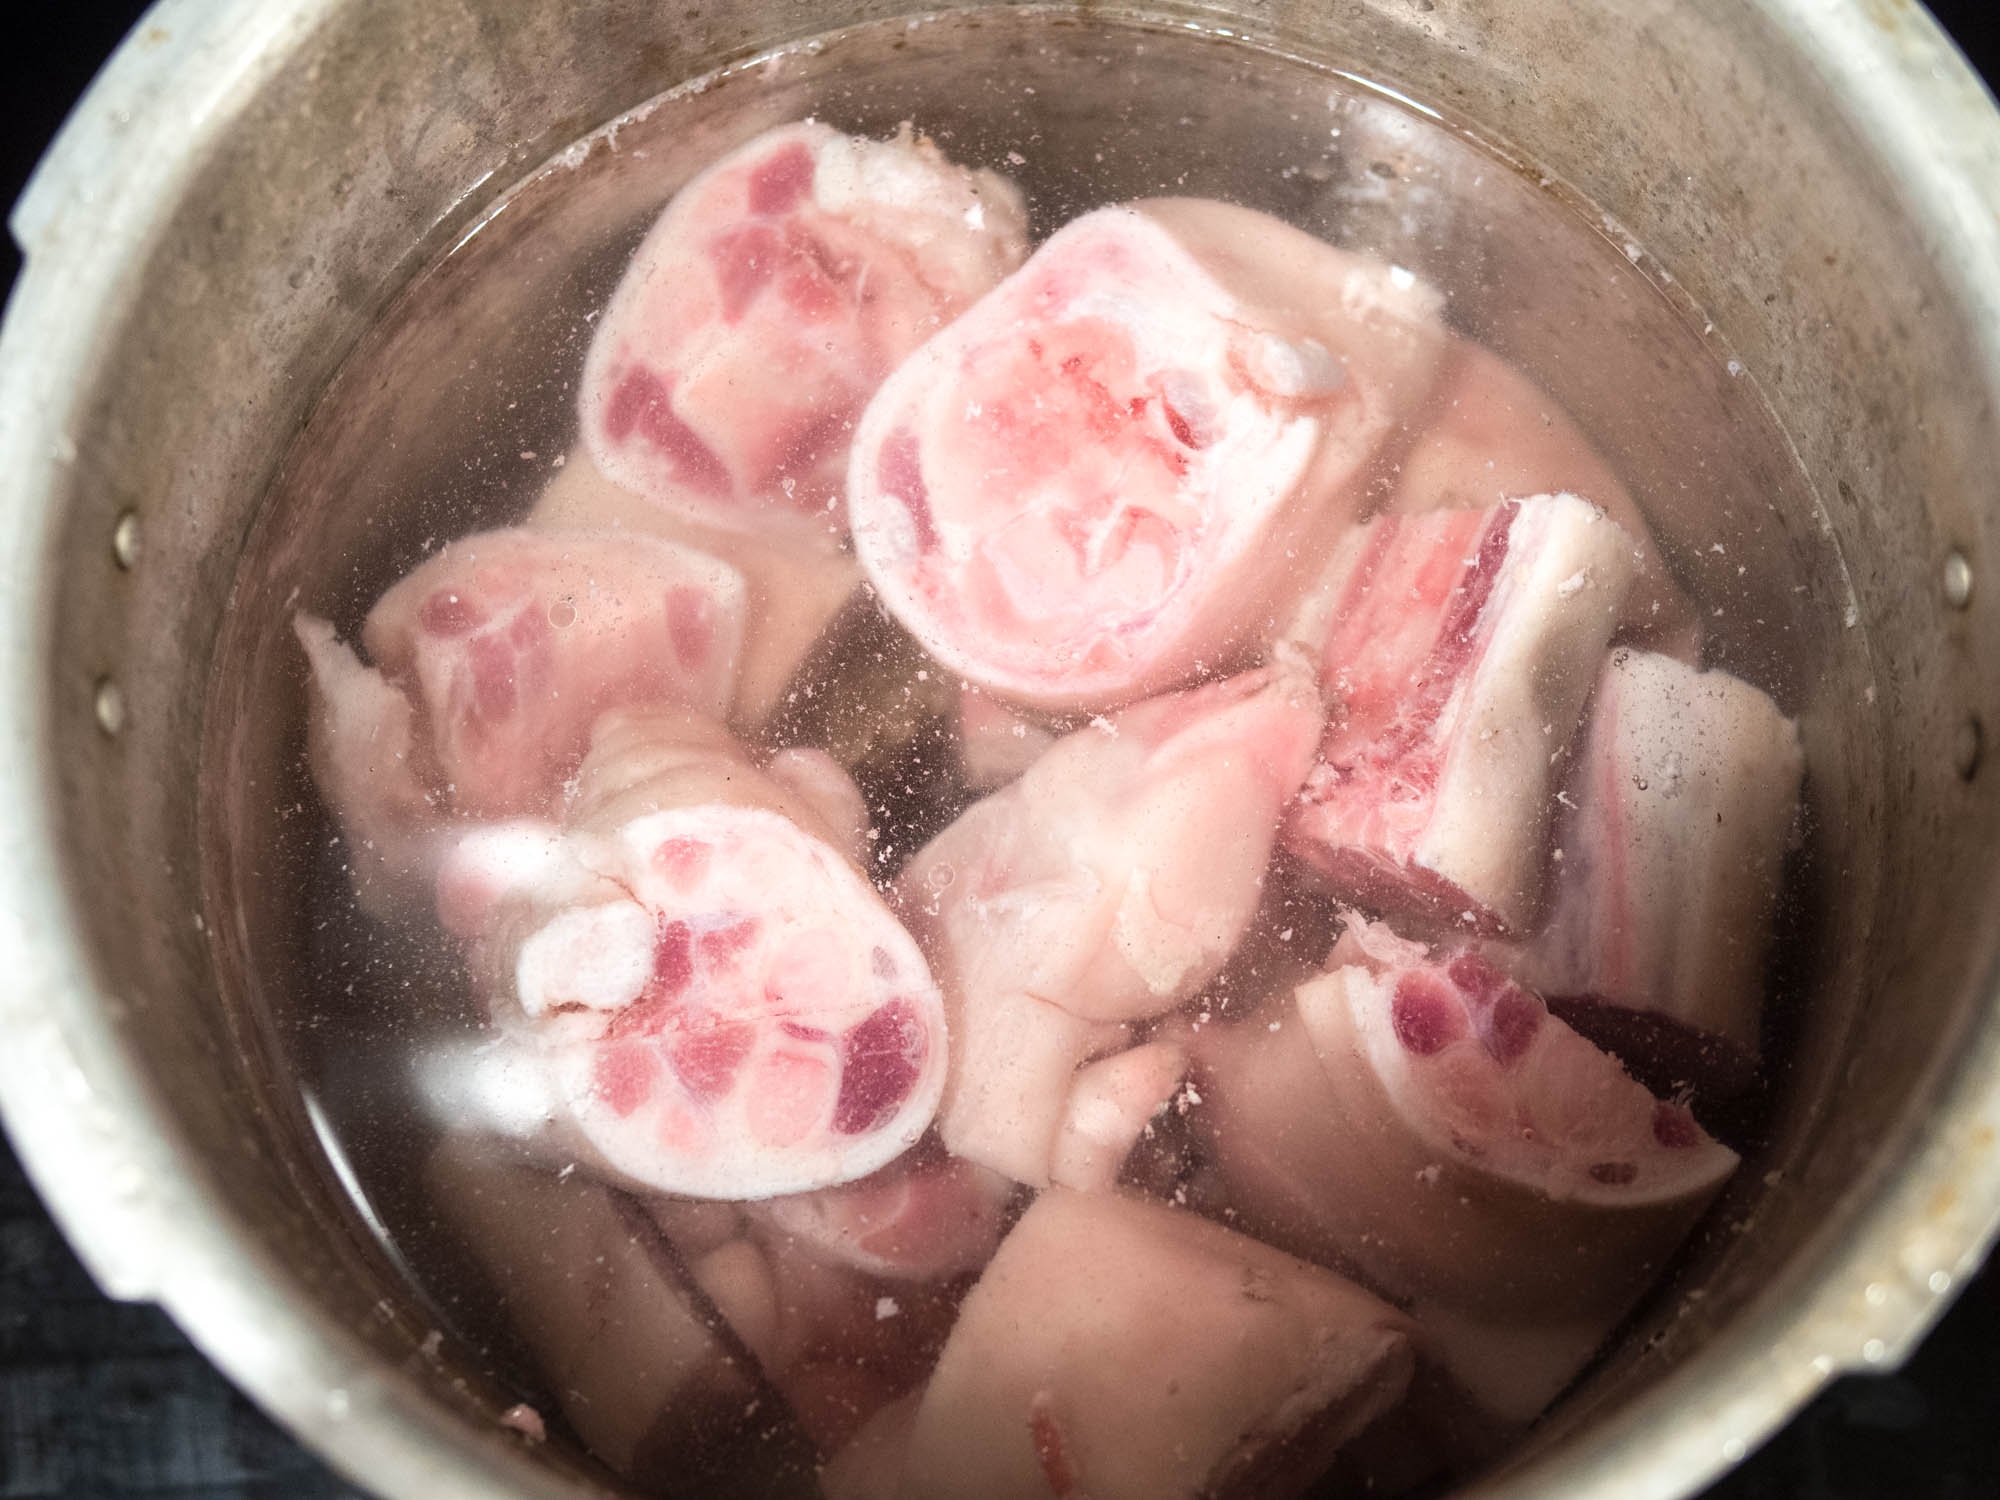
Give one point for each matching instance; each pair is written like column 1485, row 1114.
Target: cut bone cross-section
column 723, row 1006
column 1424, row 1119
column 1116, row 468
column 1456, row 650
column 513, row 642
column 767, row 303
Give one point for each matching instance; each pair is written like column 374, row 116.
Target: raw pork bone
column 1103, row 887
column 1496, row 436
column 1456, row 650
column 793, row 586
column 1127, row 1351
column 650, row 1383
column 766, row 305
column 1685, row 795
column 721, row 1004
column 491, row 660
column 1423, row 1121
column 1117, row 468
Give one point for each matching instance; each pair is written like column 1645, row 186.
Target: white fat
column 595, row 956
column 1296, row 369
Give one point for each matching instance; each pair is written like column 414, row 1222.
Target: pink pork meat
column 792, row 589
column 1682, row 803
column 490, row 662
column 1102, row 888
column 1419, row 1118
column 719, row 1003
column 1456, row 650
column 766, row 305
column 1494, row 435
column 1117, row 469
column 1123, row 1350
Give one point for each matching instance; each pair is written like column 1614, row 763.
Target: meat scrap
column 1119, row 467
column 764, row 307
column 719, row 1002
column 1418, row 1117
column 1456, row 650
column 1685, row 796
column 1122, row 1350
column 1493, row 435
column 1101, row 888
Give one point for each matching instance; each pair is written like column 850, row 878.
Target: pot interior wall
column 393, row 127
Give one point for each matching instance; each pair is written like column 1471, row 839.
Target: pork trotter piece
column 722, row 1005
column 1424, row 1120
column 1494, row 436
column 1116, row 468
column 1456, row 650
column 1103, row 887
column 1686, row 793
column 490, row 662
column 766, row 305
column 1127, row 1351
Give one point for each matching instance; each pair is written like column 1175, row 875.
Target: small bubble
column 1874, row 1351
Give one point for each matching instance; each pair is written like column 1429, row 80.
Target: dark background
column 102, row 1398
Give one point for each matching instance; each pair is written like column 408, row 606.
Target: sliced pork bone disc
column 793, row 587
column 1110, row 1103
column 1127, row 1351
column 913, row 1220
column 1461, row 1146
column 513, row 642
column 743, row 1017
column 1104, row 886
column 1494, row 435
column 1456, row 650
column 594, row 1295
column 362, row 746
column 1113, row 471
column 1686, row 793
column 766, row 305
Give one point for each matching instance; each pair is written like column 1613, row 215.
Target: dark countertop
column 99, row 1398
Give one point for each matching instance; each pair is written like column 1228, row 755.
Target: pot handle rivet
column 110, row 707
column 1957, row 579
column 125, row 540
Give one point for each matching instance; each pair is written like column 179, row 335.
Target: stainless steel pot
column 250, row 182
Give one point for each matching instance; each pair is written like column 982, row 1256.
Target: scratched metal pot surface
column 252, row 181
